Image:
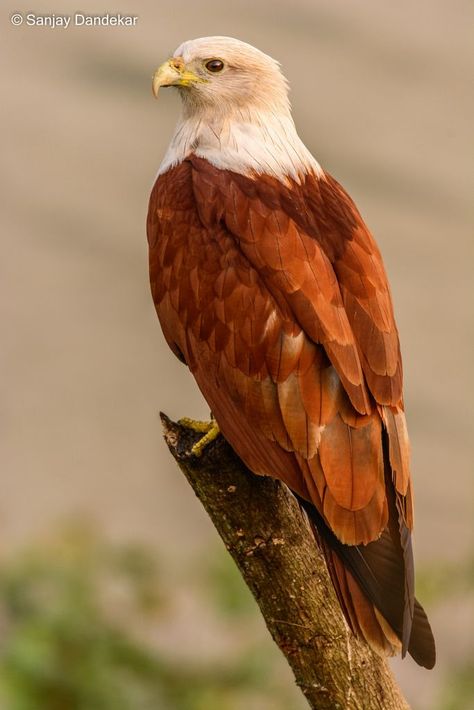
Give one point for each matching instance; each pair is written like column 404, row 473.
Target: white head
column 223, row 74
column 236, row 111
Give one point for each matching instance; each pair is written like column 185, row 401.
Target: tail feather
column 371, row 587
column 422, row 646
column 361, row 615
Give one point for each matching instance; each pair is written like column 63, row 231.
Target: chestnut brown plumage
column 274, row 294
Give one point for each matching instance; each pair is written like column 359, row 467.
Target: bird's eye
column 215, row 65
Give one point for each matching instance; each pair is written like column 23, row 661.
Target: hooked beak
column 174, row 73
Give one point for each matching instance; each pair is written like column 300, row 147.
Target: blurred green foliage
column 76, row 614
column 442, row 583
column 459, row 689
column 73, row 612
column 437, row 581
column 224, row 586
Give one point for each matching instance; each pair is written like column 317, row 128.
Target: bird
column 271, row 289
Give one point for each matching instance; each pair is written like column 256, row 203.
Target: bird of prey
column 271, row 289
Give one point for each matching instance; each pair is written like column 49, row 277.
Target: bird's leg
column 209, row 429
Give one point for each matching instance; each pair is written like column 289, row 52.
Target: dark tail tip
column 422, row 644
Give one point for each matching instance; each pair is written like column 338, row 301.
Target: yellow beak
column 174, row 73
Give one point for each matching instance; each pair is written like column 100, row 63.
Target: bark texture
column 271, row 541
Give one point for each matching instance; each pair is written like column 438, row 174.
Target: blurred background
column 115, row 591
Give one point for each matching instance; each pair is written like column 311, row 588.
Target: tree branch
column 271, row 542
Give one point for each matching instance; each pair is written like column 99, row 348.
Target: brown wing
column 277, row 299
column 315, row 257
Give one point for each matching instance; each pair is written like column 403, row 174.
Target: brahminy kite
column 271, row 289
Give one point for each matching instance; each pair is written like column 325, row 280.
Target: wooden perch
column 270, row 539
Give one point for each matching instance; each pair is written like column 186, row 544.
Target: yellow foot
column 209, row 429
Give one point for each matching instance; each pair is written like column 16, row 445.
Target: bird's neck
column 247, row 142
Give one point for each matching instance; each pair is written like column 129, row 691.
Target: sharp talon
column 209, row 429
column 199, row 446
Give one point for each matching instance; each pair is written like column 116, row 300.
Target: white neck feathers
column 251, row 141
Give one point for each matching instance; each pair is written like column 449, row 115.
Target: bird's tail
column 369, row 581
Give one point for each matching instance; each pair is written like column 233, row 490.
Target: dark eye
column 214, row 65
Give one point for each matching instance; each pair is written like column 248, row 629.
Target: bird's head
column 222, row 73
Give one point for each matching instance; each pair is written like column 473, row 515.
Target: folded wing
column 276, row 297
